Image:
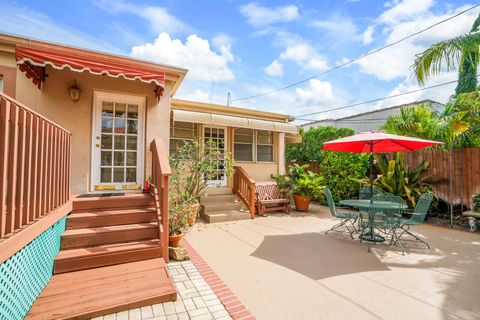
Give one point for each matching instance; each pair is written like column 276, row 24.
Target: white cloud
column 338, row 29
column 159, row 18
column 195, row 54
column 305, row 56
column 260, row 16
column 367, row 36
column 274, row 69
column 316, row 93
column 197, row 95
column 394, row 62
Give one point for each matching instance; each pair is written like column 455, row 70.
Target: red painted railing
column 160, row 178
column 244, row 188
column 34, row 166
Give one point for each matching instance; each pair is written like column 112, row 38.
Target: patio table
column 366, row 204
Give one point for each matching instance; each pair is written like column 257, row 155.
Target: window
column 264, row 146
column 181, row 132
column 247, row 143
column 1, row 83
column 243, row 144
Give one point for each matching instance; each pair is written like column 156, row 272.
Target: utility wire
column 301, row 117
column 357, row 58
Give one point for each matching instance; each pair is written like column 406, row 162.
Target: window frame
column 255, row 147
column 252, row 144
column 263, row 144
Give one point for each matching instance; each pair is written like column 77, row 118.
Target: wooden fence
column 34, row 166
column 439, row 172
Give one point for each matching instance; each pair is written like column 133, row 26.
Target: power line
column 357, row 58
column 374, row 100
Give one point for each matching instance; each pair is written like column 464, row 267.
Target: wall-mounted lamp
column 74, row 92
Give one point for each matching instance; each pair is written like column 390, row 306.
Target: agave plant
column 397, row 178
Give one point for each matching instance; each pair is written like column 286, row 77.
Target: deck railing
column 244, row 188
column 34, row 166
column 160, row 179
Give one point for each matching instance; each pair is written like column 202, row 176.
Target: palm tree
column 461, row 52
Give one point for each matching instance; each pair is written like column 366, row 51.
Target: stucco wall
column 53, row 101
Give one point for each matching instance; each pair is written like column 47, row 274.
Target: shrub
column 476, row 201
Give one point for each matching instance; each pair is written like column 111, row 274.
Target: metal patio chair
column 417, row 217
column 345, row 218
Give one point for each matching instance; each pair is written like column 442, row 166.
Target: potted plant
column 193, row 165
column 307, row 186
column 177, row 222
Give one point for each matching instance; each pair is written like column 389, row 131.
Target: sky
column 246, row 48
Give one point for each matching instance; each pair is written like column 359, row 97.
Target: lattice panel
column 24, row 275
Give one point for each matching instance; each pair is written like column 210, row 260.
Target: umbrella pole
column 371, row 170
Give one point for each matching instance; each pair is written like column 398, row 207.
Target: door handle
column 98, row 145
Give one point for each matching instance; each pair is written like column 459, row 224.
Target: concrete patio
column 285, row 267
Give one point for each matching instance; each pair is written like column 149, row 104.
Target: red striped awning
column 33, row 59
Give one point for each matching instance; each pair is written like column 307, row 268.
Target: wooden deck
column 93, row 292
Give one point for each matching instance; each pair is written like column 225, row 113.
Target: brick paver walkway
column 196, row 300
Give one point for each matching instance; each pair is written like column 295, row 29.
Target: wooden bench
column 268, row 198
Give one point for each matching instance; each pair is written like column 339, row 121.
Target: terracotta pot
column 193, row 213
column 173, row 241
column 302, row 202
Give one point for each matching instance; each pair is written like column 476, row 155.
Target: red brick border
column 234, row 306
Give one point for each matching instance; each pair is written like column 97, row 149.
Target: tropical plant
column 397, row 178
column 461, row 52
column 309, row 184
column 178, row 214
column 193, row 165
column 337, row 168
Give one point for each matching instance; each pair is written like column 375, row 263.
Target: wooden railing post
column 160, row 178
column 32, row 155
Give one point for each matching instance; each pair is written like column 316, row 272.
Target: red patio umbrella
column 377, row 142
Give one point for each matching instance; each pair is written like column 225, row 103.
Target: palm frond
column 447, row 54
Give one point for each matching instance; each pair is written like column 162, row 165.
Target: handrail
column 34, row 166
column 161, row 173
column 244, row 188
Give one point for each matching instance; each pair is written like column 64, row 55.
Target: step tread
column 107, row 249
column 109, row 212
column 108, row 229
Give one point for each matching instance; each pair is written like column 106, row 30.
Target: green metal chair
column 345, row 218
column 417, row 217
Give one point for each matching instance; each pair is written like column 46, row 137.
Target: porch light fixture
column 74, row 92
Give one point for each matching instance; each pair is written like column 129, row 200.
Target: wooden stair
column 110, row 260
column 103, row 231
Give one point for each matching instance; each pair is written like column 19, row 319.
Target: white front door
column 219, row 136
column 117, row 142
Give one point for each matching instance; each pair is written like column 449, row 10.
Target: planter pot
column 193, row 213
column 173, row 241
column 302, row 202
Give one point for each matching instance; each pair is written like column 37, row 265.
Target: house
column 372, row 120
column 80, row 132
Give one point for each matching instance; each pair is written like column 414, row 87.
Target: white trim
column 104, row 72
column 98, row 97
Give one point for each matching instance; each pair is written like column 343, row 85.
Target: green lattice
column 24, row 275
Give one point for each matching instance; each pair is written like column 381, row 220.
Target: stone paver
column 195, row 300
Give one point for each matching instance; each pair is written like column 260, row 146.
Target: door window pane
column 120, row 110
column 107, row 109
column 105, row 175
column 131, row 158
column 131, row 175
column 131, row 142
column 106, row 158
column 132, row 126
column 120, row 126
column 107, row 125
column 118, row 174
column 119, row 142
column 106, row 141
column 132, row 111
column 119, row 158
